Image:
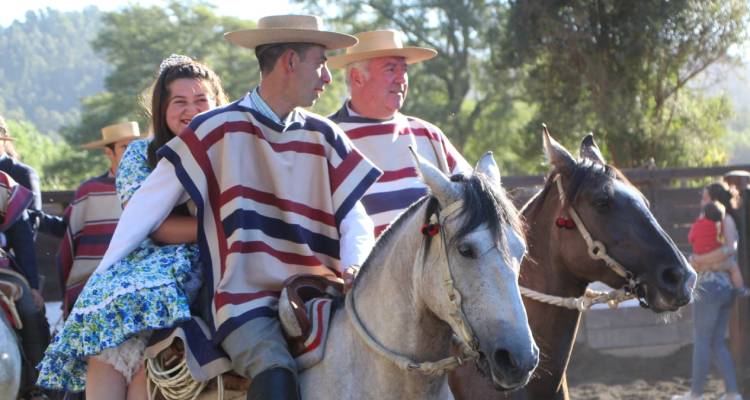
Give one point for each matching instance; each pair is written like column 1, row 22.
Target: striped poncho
column 386, row 143
column 91, row 221
column 269, row 202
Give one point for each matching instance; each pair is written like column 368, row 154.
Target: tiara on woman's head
column 172, row 60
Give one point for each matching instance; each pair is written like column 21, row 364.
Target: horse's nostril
column 670, row 277
column 504, row 360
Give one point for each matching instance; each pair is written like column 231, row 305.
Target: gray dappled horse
column 10, row 360
column 560, row 263
column 447, row 266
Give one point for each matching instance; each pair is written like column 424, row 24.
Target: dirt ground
column 592, row 375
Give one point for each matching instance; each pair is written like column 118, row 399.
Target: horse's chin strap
column 457, row 321
column 597, row 251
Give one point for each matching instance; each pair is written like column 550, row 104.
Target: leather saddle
column 295, row 317
column 11, row 289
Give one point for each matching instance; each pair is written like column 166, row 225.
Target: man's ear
column 288, row 60
column 356, row 77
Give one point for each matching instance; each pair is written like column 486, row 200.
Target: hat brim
column 412, row 55
column 6, row 138
column 252, row 38
column 101, row 143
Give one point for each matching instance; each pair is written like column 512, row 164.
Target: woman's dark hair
column 171, row 69
column 719, row 192
column 714, row 211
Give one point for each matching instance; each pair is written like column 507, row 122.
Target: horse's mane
column 584, row 171
column 489, row 205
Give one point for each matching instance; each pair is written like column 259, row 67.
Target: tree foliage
column 43, row 154
column 47, row 66
column 621, row 69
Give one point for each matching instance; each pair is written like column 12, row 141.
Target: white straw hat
column 386, row 43
column 290, row 29
column 115, row 133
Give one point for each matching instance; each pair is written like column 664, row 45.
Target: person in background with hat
column 277, row 191
column 376, row 73
column 91, row 218
column 101, row 345
column 18, row 240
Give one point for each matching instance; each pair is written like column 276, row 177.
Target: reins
column 597, row 251
column 457, row 319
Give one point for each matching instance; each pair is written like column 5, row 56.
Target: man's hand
column 349, row 274
column 38, row 299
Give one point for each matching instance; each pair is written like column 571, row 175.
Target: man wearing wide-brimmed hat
column 376, row 73
column 277, row 191
column 91, row 218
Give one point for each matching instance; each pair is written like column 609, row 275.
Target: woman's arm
column 177, row 229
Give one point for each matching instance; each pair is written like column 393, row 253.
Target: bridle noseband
column 467, row 342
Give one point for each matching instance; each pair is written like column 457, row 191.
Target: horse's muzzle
column 512, row 370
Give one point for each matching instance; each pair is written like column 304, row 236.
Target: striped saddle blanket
column 305, row 308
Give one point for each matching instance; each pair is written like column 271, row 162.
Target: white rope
column 583, row 303
column 174, row 383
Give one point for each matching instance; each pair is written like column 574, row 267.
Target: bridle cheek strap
column 596, row 249
column 456, row 318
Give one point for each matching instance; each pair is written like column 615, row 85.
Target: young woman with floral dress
column 101, row 345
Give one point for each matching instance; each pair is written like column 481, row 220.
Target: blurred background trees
column 634, row 73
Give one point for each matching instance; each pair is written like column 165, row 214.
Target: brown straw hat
column 386, row 43
column 290, row 29
column 115, row 133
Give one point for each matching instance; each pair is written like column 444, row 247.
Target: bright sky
column 247, row 9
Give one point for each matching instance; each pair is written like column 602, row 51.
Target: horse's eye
column 467, row 250
column 601, row 203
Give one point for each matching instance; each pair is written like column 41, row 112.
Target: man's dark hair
column 714, row 211
column 268, row 54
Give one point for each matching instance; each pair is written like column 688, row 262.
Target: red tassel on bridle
column 430, row 229
column 566, row 223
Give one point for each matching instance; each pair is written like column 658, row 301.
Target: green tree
column 621, row 69
column 47, row 66
column 43, row 153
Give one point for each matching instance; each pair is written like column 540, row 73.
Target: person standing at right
column 714, row 299
column 376, row 73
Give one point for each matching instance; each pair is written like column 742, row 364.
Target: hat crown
column 116, row 132
column 305, row 22
column 376, row 40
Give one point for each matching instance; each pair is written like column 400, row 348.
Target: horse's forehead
column 630, row 193
column 516, row 242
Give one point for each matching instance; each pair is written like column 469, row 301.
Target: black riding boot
column 274, row 384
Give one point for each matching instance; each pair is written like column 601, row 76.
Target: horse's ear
column 487, row 166
column 440, row 185
column 590, row 151
column 556, row 153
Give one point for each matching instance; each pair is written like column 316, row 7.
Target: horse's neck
column 389, row 306
column 543, row 270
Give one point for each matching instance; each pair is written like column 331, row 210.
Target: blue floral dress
column 149, row 289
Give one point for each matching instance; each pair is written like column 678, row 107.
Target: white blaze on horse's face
column 484, row 267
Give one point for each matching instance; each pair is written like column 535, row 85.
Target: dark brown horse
column 591, row 199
